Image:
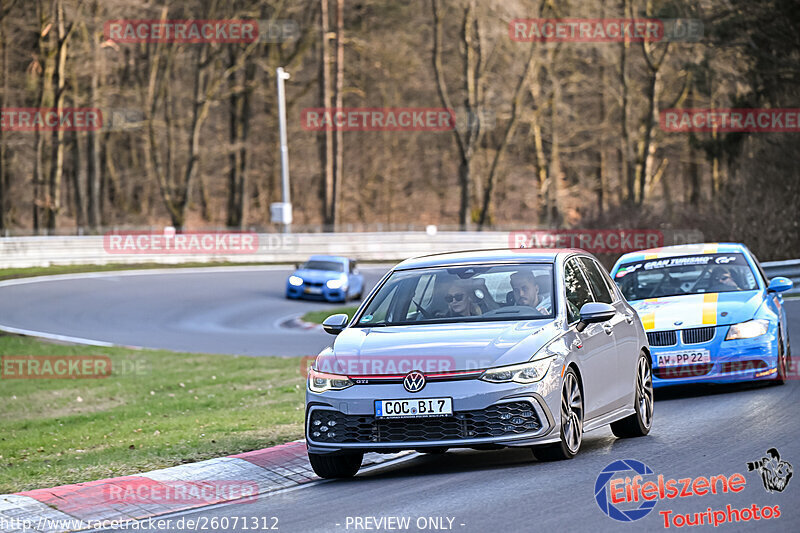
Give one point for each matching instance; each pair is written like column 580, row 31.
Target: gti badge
column 414, row 381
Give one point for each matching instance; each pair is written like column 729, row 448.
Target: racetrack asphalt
column 229, row 310
column 698, row 431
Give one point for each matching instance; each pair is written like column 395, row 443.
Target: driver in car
column 723, row 279
column 526, row 291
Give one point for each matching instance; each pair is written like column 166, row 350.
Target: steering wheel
column 424, row 312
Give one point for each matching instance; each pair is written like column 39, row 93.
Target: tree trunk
column 4, row 71
column 338, row 141
column 92, row 137
column 507, row 135
column 694, row 165
column 644, row 156
column 326, row 136
column 467, row 141
column 57, row 148
column 78, row 182
column 234, row 128
column 626, row 176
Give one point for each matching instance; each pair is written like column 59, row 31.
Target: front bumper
column 316, row 292
column 484, row 414
column 731, row 361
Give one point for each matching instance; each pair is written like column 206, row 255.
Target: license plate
column 313, row 290
column 415, row 408
column 686, row 357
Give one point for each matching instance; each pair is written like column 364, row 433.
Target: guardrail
column 43, row 251
column 23, row 252
column 788, row 269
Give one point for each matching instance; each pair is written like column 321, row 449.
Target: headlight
column 335, row 283
column 524, row 373
column 321, row 382
column 295, row 280
column 748, row 330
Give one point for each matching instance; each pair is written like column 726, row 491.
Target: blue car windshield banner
column 701, row 260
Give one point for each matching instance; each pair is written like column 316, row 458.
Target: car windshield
column 462, row 294
column 689, row 274
column 324, row 265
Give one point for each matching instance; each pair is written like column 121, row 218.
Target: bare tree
column 467, row 141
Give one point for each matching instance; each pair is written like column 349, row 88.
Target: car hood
column 693, row 310
column 317, row 275
column 435, row 347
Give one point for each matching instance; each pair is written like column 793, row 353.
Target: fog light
column 323, row 428
column 331, row 434
column 517, row 420
column 331, row 423
column 316, row 434
column 317, row 422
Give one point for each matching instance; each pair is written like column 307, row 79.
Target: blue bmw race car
column 709, row 312
column 326, row 277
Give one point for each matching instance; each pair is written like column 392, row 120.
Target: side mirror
column 594, row 312
column 334, row 324
column 779, row 284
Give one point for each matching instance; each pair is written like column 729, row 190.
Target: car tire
column 571, row 422
column 639, row 423
column 336, row 466
column 783, row 363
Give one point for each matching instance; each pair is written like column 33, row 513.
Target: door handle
column 608, row 328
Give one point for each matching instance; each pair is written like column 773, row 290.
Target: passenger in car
column 460, row 301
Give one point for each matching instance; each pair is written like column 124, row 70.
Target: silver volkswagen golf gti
column 480, row 350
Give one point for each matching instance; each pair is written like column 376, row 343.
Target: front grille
column 504, row 419
column 313, row 283
column 697, row 335
column 684, row 371
column 742, row 366
column 662, row 338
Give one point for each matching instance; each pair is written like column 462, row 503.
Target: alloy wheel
column 572, row 413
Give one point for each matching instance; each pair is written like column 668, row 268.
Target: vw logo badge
column 414, row 381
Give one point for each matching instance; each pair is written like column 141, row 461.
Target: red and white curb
column 89, row 505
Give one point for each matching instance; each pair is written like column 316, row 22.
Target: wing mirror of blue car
column 334, row 324
column 594, row 312
column 779, row 284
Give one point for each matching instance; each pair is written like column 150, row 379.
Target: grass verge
column 316, row 317
column 156, row 409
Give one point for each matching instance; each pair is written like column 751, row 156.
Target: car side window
column 596, row 281
column 577, row 290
